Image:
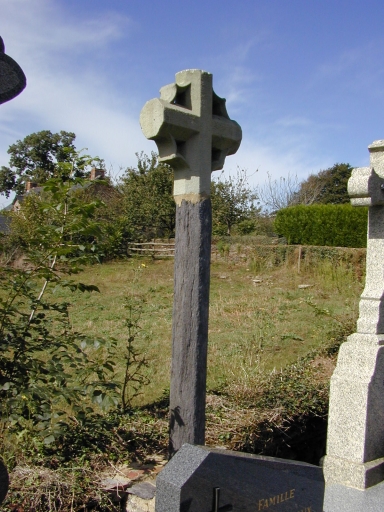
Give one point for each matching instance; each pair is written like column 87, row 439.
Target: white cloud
column 356, row 70
column 259, row 160
column 294, row 122
column 66, row 89
column 44, row 26
column 71, row 86
column 237, row 79
column 240, row 86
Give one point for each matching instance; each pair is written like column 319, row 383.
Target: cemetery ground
column 274, row 334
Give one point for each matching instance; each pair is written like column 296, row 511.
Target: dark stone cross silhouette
column 12, row 78
column 194, row 134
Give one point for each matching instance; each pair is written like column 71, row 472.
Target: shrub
column 323, row 224
column 45, row 366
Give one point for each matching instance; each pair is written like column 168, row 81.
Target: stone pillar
column 194, row 134
column 355, row 442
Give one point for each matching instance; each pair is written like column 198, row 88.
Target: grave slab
column 201, row 479
column 340, row 498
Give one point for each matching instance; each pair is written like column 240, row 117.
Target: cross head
column 192, row 130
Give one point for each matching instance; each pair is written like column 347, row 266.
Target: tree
column 149, row 207
column 309, row 191
column 36, row 159
column 34, row 214
column 233, row 202
column 147, row 198
column 68, row 169
column 330, row 185
column 279, row 193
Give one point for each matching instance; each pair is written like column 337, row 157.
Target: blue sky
column 303, row 78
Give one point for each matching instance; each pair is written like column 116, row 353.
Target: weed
column 223, row 248
column 134, row 361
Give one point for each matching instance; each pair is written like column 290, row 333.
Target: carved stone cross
column 194, row 134
column 366, row 188
column 192, row 130
column 355, row 440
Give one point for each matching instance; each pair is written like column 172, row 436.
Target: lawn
column 273, row 338
column 259, row 320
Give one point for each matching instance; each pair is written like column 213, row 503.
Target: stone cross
column 355, row 441
column 194, row 134
column 12, row 78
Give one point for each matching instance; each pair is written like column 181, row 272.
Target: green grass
column 258, row 322
column 272, row 350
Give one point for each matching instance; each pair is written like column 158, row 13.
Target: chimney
column 30, row 185
column 97, row 174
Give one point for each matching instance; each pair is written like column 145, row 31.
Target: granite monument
column 355, row 441
column 201, row 479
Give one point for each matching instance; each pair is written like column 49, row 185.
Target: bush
column 46, row 366
column 323, row 224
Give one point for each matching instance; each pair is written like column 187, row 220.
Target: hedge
column 335, row 225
